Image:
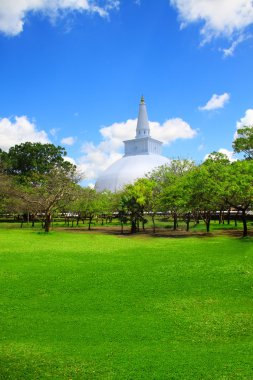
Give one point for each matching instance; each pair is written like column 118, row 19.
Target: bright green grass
column 91, row 306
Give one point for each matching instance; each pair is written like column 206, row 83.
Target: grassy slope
column 90, row 306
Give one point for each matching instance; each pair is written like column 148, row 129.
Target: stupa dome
column 142, row 155
column 127, row 170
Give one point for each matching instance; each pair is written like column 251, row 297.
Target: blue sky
column 72, row 73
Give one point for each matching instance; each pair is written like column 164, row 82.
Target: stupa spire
column 142, row 129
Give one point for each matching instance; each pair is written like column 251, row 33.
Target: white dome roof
column 127, row 170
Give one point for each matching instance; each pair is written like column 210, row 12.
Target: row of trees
column 36, row 180
column 196, row 192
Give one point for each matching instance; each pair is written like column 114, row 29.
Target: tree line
column 36, row 181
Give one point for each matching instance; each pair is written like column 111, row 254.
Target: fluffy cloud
column 219, row 18
column 13, row 13
column 19, row 131
column 228, row 153
column 216, row 101
column 70, row 159
column 98, row 157
column 68, row 140
column 172, row 130
column 95, row 160
column 246, row 120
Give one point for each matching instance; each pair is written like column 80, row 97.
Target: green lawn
column 92, row 306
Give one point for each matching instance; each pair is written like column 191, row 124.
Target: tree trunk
column 207, row 221
column 187, row 221
column 208, row 225
column 47, row 222
column 244, row 221
column 236, row 220
column 175, row 221
column 220, row 217
column 133, row 227
column 228, row 216
column 90, row 220
column 153, row 221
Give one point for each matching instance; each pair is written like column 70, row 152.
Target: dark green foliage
column 43, row 179
column 30, row 159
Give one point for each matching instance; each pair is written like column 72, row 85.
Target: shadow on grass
column 164, row 233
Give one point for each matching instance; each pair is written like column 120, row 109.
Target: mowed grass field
column 79, row 305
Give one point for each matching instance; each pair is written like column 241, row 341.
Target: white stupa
column 142, row 155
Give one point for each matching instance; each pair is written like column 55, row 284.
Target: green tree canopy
column 41, row 177
column 238, row 188
column 171, row 192
column 244, row 142
column 31, row 160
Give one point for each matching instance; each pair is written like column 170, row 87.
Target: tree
column 244, row 142
column 149, row 191
column 42, row 177
column 5, row 188
column 44, row 198
column 132, row 205
column 238, row 188
column 89, row 204
column 232, row 184
column 171, row 191
column 107, row 206
column 204, row 186
column 30, row 162
column 217, row 164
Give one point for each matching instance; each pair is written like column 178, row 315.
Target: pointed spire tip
column 142, row 100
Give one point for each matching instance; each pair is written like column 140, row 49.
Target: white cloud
column 14, row 13
column 18, row 131
column 245, row 121
column 68, row 140
column 226, row 152
column 172, row 130
column 230, row 51
column 70, row 159
column 216, row 101
column 219, row 18
column 98, row 157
